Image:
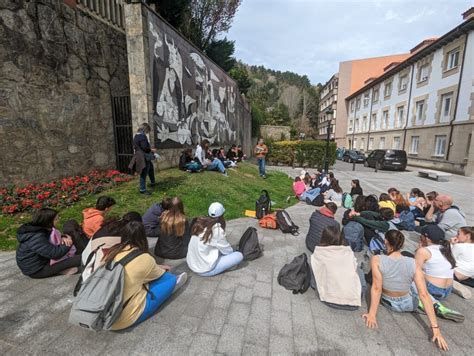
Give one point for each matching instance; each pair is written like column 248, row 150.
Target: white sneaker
column 180, row 281
column 462, row 290
column 225, row 174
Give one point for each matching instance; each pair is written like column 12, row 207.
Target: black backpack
column 285, row 223
column 296, row 275
column 263, row 205
column 249, row 245
column 318, row 201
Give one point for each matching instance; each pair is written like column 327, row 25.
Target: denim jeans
column 311, row 194
column 224, row 263
column 216, row 165
column 438, row 293
column 407, row 303
column 159, row 290
column 261, row 166
column 147, row 171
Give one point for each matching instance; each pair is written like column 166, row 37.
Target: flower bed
column 59, row 193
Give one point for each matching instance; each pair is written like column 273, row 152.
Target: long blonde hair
column 173, row 221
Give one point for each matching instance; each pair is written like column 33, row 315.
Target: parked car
column 353, row 156
column 387, row 159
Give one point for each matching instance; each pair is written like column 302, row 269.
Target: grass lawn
column 237, row 192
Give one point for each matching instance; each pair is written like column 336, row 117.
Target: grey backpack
column 99, row 301
column 249, row 245
column 296, row 275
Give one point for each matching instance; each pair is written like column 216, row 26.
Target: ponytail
column 447, row 253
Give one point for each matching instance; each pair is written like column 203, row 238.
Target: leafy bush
column 302, row 153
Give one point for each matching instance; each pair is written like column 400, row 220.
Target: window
column 440, row 146
column 446, row 103
column 373, row 122
column 352, row 106
column 399, row 119
column 364, row 123
column 375, row 95
column 388, row 89
column 385, row 119
column 355, row 143
column 403, row 83
column 415, row 141
column 453, row 59
column 362, row 143
column 396, row 143
column 371, row 143
column 358, row 104
column 366, row 99
column 382, row 143
column 420, row 105
column 423, row 73
column 356, row 128
column 350, row 125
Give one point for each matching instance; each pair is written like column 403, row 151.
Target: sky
column 312, row 36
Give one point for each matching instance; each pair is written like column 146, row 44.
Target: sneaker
column 145, row 192
column 180, row 281
column 447, row 313
column 264, row 176
column 225, row 174
column 462, row 290
column 151, row 185
column 308, row 201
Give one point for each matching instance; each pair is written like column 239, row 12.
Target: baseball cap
column 216, row 210
column 433, row 232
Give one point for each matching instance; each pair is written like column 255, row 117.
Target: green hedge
column 301, row 153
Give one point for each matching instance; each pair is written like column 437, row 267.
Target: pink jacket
column 55, row 239
column 299, row 188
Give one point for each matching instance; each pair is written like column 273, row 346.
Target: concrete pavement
column 243, row 311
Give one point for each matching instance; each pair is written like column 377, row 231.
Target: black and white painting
column 193, row 99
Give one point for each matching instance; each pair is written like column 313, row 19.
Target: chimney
column 469, row 14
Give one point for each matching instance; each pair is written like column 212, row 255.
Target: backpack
column 249, row 245
column 407, row 221
column 100, row 299
column 263, row 205
column 347, row 201
column 377, row 245
column 318, row 201
column 285, row 223
column 296, row 275
column 268, row 222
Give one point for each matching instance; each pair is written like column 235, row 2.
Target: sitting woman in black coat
column 35, row 251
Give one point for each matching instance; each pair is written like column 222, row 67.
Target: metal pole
column 326, row 162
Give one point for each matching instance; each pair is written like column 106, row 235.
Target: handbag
column 150, row 156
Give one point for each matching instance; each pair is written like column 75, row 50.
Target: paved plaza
column 243, row 311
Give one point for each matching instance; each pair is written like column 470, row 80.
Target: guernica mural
column 193, row 99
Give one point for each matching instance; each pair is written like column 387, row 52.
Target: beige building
column 423, row 105
column 327, row 101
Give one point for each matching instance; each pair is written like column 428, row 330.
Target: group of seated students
column 212, row 160
column 320, row 186
column 44, row 252
column 443, row 262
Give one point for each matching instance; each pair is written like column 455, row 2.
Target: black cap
column 433, row 232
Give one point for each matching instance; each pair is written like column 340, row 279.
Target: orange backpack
column 268, row 222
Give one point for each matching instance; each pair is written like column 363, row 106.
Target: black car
column 353, row 156
column 387, row 159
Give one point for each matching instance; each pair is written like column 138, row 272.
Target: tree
column 173, row 11
column 258, row 118
column 221, row 52
column 240, row 75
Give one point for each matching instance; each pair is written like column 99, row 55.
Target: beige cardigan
column 334, row 268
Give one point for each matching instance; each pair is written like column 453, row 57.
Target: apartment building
column 424, row 105
column 328, row 101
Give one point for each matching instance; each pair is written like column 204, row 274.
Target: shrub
column 302, row 153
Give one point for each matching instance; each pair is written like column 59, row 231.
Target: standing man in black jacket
column 143, row 157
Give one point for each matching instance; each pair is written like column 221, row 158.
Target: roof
column 458, row 31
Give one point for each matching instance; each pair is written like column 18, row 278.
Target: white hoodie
column 201, row 257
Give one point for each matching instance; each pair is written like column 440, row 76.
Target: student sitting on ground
column 35, row 250
column 151, row 218
column 429, row 202
column 448, row 216
column 352, row 230
column 416, row 200
column 94, row 217
column 318, row 221
column 209, row 252
column 386, row 202
column 175, row 232
column 240, row 154
column 233, row 153
column 334, row 194
column 463, row 252
column 147, row 285
column 206, row 159
column 356, row 189
column 187, row 163
column 302, row 192
column 400, row 202
column 392, row 285
column 338, row 280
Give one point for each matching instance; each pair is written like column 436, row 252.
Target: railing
column 109, row 11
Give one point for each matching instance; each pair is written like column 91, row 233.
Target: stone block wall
column 275, row 132
column 59, row 68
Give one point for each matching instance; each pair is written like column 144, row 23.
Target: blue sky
column 312, row 36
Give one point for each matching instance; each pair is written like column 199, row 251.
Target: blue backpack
column 377, row 245
column 407, row 221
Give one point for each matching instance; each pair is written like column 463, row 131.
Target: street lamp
column 328, row 113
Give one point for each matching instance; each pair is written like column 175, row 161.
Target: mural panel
column 193, row 99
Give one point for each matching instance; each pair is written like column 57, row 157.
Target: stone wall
column 275, row 132
column 58, row 70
